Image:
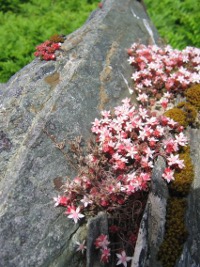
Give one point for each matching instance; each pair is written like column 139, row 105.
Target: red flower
column 105, row 254
column 114, row 229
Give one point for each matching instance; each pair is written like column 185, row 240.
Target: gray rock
column 152, row 227
column 63, row 97
column 190, row 256
column 96, row 227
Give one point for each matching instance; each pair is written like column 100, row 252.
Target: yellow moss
column 184, row 113
column 193, row 95
column 176, row 232
column 57, row 38
column 183, row 178
column 177, row 115
column 175, row 229
column 189, row 110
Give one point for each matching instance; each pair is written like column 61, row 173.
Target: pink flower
column 61, row 201
column 149, row 153
column 181, row 139
column 145, row 176
column 168, row 174
column 132, row 151
column 142, row 135
column 167, row 95
column 105, row 254
column 174, row 160
column 170, row 145
column 164, row 103
column 131, row 188
column 81, row 246
column 146, row 163
column 74, row 213
column 102, row 241
column 123, row 259
column 86, row 201
column 142, row 98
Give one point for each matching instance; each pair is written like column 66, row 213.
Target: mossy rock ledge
column 64, row 97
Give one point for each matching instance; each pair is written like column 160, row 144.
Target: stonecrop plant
column 162, row 73
column 47, row 50
column 115, row 174
column 127, row 145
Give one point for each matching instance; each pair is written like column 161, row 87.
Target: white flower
column 86, row 201
column 123, row 259
column 81, row 246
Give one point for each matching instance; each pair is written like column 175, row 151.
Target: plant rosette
column 47, row 50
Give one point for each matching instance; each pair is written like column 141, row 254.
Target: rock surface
column 152, row 225
column 190, row 256
column 62, row 97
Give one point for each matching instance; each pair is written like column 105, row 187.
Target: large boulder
column 60, row 97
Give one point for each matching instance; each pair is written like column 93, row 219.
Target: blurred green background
column 27, row 23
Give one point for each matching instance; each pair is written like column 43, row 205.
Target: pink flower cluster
column 102, row 243
column 128, row 143
column 46, row 50
column 117, row 170
column 163, row 69
column 132, row 139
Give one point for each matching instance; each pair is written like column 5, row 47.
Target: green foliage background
column 177, row 21
column 27, row 23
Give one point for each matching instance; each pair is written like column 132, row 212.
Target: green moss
column 33, row 23
column 193, row 95
column 179, row 24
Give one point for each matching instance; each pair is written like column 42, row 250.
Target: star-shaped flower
column 174, row 160
column 168, row 174
column 81, row 246
column 123, row 259
column 102, row 241
column 74, row 213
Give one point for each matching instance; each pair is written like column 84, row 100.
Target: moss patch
column 176, row 232
column 183, row 178
column 184, row 113
column 177, row 115
column 193, row 95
